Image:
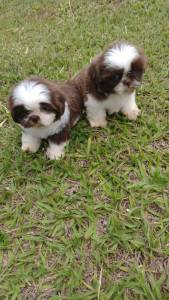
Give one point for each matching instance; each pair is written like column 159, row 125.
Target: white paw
column 98, row 123
column 30, row 143
column 30, row 148
column 54, row 155
column 55, row 152
column 133, row 114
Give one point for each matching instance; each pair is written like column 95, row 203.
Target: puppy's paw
column 30, row 147
column 30, row 143
column 55, row 152
column 98, row 123
column 133, row 114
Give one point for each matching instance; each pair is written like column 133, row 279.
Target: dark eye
column 19, row 113
column 46, row 107
column 116, row 77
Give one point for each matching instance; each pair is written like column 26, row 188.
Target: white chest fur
column 113, row 104
column 96, row 110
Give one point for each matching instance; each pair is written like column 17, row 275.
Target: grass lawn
column 95, row 224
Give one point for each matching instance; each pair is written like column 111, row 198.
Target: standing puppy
column 45, row 110
column 110, row 82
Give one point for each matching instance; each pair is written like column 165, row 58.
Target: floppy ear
column 143, row 59
column 102, row 79
column 15, row 111
column 58, row 102
column 93, row 77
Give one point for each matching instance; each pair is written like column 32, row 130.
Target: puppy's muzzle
column 134, row 84
column 33, row 121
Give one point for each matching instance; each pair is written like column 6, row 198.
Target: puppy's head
column 119, row 69
column 35, row 102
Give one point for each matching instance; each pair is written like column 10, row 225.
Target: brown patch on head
column 57, row 104
column 138, row 68
column 101, row 80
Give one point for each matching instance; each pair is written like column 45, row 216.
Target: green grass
column 95, row 224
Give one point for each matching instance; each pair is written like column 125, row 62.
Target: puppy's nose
column 34, row 119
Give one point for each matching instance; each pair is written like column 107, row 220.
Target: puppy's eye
column 46, row 107
column 19, row 113
column 116, row 77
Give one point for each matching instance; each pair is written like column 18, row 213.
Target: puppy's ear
column 58, row 102
column 94, row 76
column 102, row 80
column 15, row 111
column 11, row 107
column 143, row 60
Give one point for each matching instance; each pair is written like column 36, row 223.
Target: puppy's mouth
column 32, row 125
column 132, row 85
column 131, row 89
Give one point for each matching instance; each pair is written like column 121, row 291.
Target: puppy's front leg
column 57, row 143
column 96, row 113
column 130, row 109
column 98, row 120
column 30, row 143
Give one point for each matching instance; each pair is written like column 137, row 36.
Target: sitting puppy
column 110, row 81
column 45, row 110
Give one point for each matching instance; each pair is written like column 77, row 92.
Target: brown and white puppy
column 109, row 83
column 45, row 110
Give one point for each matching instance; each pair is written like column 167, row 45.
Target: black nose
column 34, row 119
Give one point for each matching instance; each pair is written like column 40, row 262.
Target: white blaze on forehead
column 121, row 56
column 30, row 93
